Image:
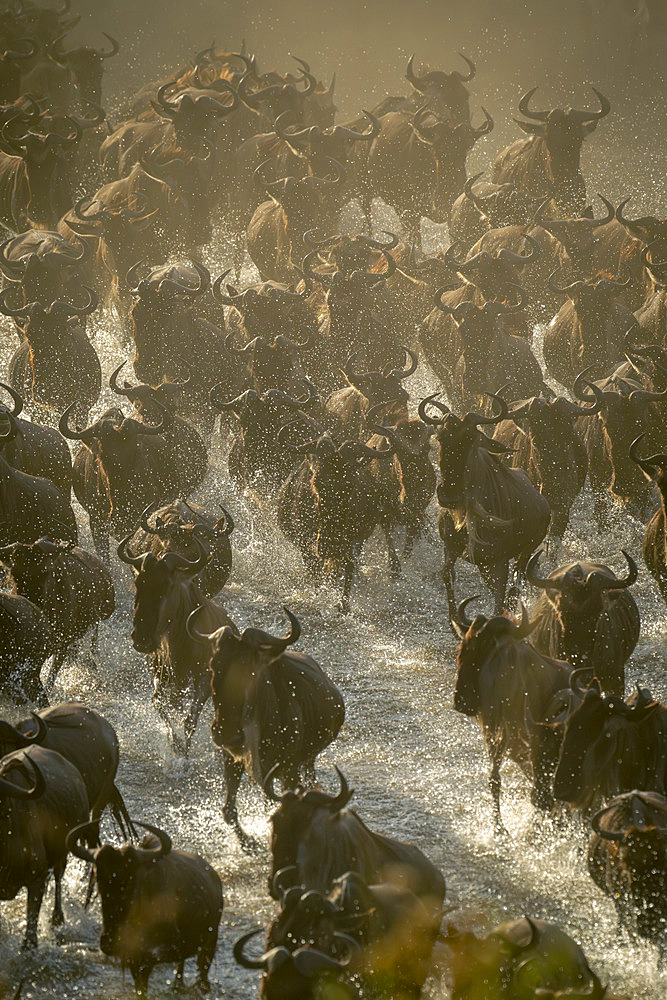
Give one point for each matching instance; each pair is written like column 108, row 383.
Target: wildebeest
column 263, row 364
column 551, row 155
column 540, row 437
column 329, row 506
column 484, row 206
column 627, row 860
column 654, row 468
column 30, row 507
column 43, row 796
column 25, row 642
column 588, row 332
column 71, row 586
column 319, row 840
column 444, row 92
column 299, row 973
column 350, row 406
column 173, row 530
column 525, row 958
column 274, row 711
column 86, row 64
column 166, row 592
column 588, row 617
column 43, row 264
column 611, row 746
column 85, row 739
column 488, row 511
column 36, row 449
column 55, row 362
column 499, row 678
column 382, row 934
column 417, row 165
column 120, row 467
column 627, row 410
column 158, row 904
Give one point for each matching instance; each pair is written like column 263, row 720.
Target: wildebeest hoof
column 57, row 918
column 203, row 985
column 248, row 844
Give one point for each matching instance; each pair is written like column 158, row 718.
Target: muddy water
column 419, row 768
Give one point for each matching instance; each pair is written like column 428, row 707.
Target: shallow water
column 418, row 767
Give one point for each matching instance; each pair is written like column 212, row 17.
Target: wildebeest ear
column 594, row 688
column 530, row 128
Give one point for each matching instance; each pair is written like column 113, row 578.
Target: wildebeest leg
column 202, row 694
column 309, row 772
column 495, row 577
column 35, row 896
column 412, row 533
column 100, row 535
column 206, row 954
column 58, row 659
column 394, row 563
column 140, row 975
column 497, row 753
column 178, row 975
column 233, row 773
column 58, row 917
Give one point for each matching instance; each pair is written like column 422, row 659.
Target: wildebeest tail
column 120, row 814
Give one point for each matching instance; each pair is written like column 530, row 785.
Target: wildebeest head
column 116, row 871
column 648, row 229
column 157, row 587
column 496, row 275
column 333, row 466
column 445, row 92
column 299, row 974
column 144, row 397
column 41, row 262
column 654, row 467
column 118, row 226
column 387, row 384
column 191, row 112
column 480, row 639
column 12, row 738
column 349, row 294
column 237, row 663
column 302, row 198
column 548, row 419
column 273, row 363
column 280, row 95
column 86, row 64
column 46, row 160
column 296, row 811
column 457, row 438
column 591, row 298
column 577, row 236
column 580, row 592
column 504, row 205
column 586, row 755
column 268, row 309
column 114, row 438
column 348, row 253
column 32, row 785
column 32, row 565
column 10, row 63
column 46, row 325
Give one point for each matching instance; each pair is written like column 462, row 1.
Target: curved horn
column 16, row 399
column 472, row 69
column 15, row 791
column 240, row 956
column 115, row 48
column 461, row 615
column 75, row 836
column 647, row 465
column 617, row 584
column 126, row 556
column 64, row 428
column 538, row 116
column 566, row 289
column 584, row 411
column 344, row 795
column 538, row 581
column 517, row 258
column 583, row 117
column 616, row 835
column 433, row 401
column 418, row 82
column 194, row 633
column 268, row 785
column 164, row 846
column 479, row 419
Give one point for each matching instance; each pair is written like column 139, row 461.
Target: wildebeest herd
column 297, row 383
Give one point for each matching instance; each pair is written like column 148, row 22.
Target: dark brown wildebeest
column 550, row 157
column 652, row 313
column 274, row 711
column 173, row 530
column 26, row 643
column 627, row 410
column 275, row 232
column 184, row 445
column 303, row 973
column 265, row 310
column 472, row 353
column 120, row 467
column 627, row 860
column 37, row 450
column 318, row 840
column 417, row 164
column 43, row 264
column 158, row 904
column 330, row 505
column 444, row 92
column 540, row 439
column 489, row 512
column 588, row 331
column 56, row 362
column 611, row 746
column 262, row 364
column 521, row 958
column 499, row 679
column 43, row 796
column 588, row 617
column 83, row 738
column 638, row 235
column 10, row 67
column 258, row 461
column 381, row 933
column 86, row 65
column 349, row 407
column 655, row 536
column 30, row 507
column 34, row 176
column 407, row 483
column 166, row 593
column 487, row 277
column 71, row 586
